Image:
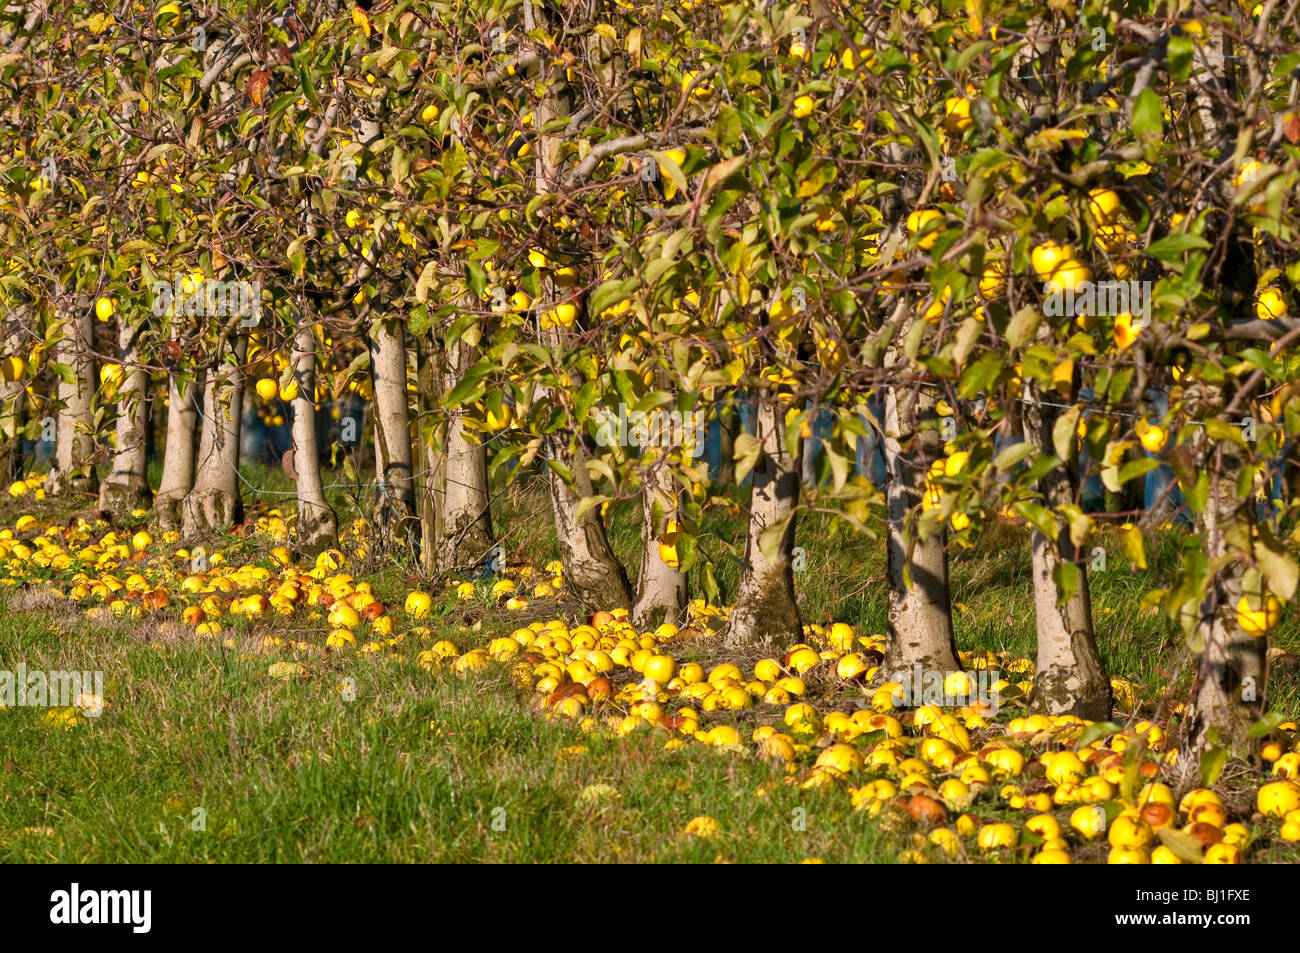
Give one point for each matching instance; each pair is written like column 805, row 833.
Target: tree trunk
column 215, row 504
column 1231, row 675
column 432, row 486
column 1070, row 678
column 920, row 617
column 126, row 487
column 12, row 396
column 660, row 587
column 766, row 616
column 590, row 567
column 395, row 489
column 74, row 443
column 178, row 454
column 1230, row 688
column 317, row 525
column 465, row 539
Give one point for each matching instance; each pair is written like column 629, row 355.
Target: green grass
column 416, row 768
column 433, row 767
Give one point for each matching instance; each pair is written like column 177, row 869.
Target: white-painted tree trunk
column 178, row 453
column 317, row 525
column 215, row 504
column 1228, row 696
column 431, row 485
column 660, row 587
column 1070, row 679
column 465, row 539
column 126, row 487
column 920, row 616
column 766, row 616
column 395, row 491
column 590, row 566
column 74, row 444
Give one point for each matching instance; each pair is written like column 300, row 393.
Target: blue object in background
column 871, row 453
column 713, row 446
column 262, row 442
column 1163, row 476
column 820, row 427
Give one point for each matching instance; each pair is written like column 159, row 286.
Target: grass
column 202, row 756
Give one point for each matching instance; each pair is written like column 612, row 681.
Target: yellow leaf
column 360, row 19
column 1134, row 548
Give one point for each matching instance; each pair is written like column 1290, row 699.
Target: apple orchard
column 1027, row 261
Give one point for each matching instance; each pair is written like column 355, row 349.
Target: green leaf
column 610, row 293
column 1096, row 731
column 709, row 584
column 979, row 375
column 562, row 471
column 1148, row 115
column 297, row 255
column 1187, row 848
column 1039, row 517
column 1136, row 468
column 470, row 389
column 969, row 54
column 1222, row 430
column 1128, row 784
column 476, row 277
column 1119, row 381
column 459, row 330
column 1180, row 52
column 811, row 184
column 1172, row 247
column 1066, row 575
column 1064, row 433
column 1266, row 725
column 1212, row 762
column 590, row 502
column 418, row 325
column 746, row 451
column 1023, row 326
column 687, row 551
column 769, row 541
column 1011, row 455
column 1265, row 363
column 1275, row 564
column 839, row 465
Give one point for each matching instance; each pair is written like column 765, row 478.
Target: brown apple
column 1157, row 814
column 926, row 810
column 1207, row 834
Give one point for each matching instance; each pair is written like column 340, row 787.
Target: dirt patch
column 51, row 605
column 41, row 599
